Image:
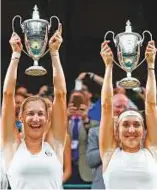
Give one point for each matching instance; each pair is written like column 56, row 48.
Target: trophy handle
column 146, row 31
column 113, row 34
column 13, row 28
column 151, row 38
column 49, row 26
column 114, row 40
column 17, row 16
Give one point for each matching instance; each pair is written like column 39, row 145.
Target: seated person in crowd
column 78, row 126
column 94, row 109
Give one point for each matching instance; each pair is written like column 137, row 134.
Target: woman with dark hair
column 127, row 163
column 34, row 162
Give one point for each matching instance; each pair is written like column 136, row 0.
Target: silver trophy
column 128, row 52
column 35, row 37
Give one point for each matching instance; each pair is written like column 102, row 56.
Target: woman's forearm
column 151, row 86
column 106, row 123
column 107, row 88
column 8, row 106
column 58, row 74
column 66, row 175
column 11, row 77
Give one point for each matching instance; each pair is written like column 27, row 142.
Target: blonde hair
column 33, row 99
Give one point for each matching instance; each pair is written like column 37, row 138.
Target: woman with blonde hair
column 34, row 162
column 127, row 164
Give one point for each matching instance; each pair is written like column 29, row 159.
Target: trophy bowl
column 36, row 33
column 35, row 38
column 128, row 53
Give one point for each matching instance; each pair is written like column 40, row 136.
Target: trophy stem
column 128, row 74
column 35, row 63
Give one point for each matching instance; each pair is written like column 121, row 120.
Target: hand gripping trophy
column 128, row 52
column 35, row 37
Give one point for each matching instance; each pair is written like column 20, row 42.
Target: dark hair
column 77, row 91
column 47, row 96
column 48, row 92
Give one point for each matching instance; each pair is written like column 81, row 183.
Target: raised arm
column 59, row 115
column 67, row 159
column 151, row 96
column 9, row 133
column 106, row 133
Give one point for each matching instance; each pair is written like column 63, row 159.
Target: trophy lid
column 35, row 14
column 128, row 27
column 35, row 18
column 128, row 31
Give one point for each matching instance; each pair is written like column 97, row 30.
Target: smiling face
column 130, row 132
column 35, row 118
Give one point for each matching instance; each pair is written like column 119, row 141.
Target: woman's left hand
column 56, row 40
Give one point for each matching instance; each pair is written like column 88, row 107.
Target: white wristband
column 15, row 55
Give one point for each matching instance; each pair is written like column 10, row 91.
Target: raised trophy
column 128, row 52
column 35, row 37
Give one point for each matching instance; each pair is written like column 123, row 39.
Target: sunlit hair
column 33, row 99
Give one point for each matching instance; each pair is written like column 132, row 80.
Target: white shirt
column 3, row 177
column 131, row 171
column 39, row 171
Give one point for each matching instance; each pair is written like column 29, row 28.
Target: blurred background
column 85, row 23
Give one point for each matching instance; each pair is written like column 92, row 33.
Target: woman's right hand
column 15, row 43
column 106, row 53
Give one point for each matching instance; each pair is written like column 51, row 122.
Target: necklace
column 34, row 151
